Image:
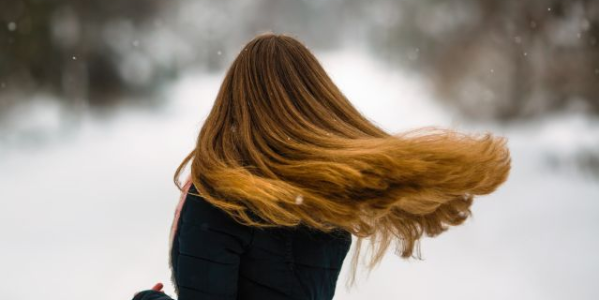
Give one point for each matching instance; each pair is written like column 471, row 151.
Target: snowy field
column 88, row 214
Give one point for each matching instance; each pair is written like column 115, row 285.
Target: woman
column 286, row 170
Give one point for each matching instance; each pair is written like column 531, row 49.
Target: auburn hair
column 283, row 143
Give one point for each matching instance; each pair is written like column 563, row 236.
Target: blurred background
column 101, row 100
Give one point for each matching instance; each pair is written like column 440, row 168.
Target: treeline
column 499, row 60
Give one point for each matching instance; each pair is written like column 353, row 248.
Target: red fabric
column 182, row 198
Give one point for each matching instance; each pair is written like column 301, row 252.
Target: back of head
column 283, row 142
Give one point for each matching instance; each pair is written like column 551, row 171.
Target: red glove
column 157, row 287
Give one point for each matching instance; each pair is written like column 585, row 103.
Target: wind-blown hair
column 284, row 143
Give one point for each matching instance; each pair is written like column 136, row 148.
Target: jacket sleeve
column 210, row 244
column 151, row 295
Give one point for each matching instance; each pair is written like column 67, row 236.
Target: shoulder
column 198, row 209
column 200, row 212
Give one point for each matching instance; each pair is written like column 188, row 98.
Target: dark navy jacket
column 213, row 257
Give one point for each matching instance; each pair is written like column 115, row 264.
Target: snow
column 90, row 214
column 12, row 26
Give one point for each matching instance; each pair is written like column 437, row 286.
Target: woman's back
column 214, row 257
column 282, row 145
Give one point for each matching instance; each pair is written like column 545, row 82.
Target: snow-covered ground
column 89, row 214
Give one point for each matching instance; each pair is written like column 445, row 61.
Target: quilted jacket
column 213, row 257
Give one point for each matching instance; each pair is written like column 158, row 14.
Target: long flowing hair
column 283, row 143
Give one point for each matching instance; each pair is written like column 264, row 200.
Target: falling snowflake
column 517, row 39
column 533, row 24
column 299, row 199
